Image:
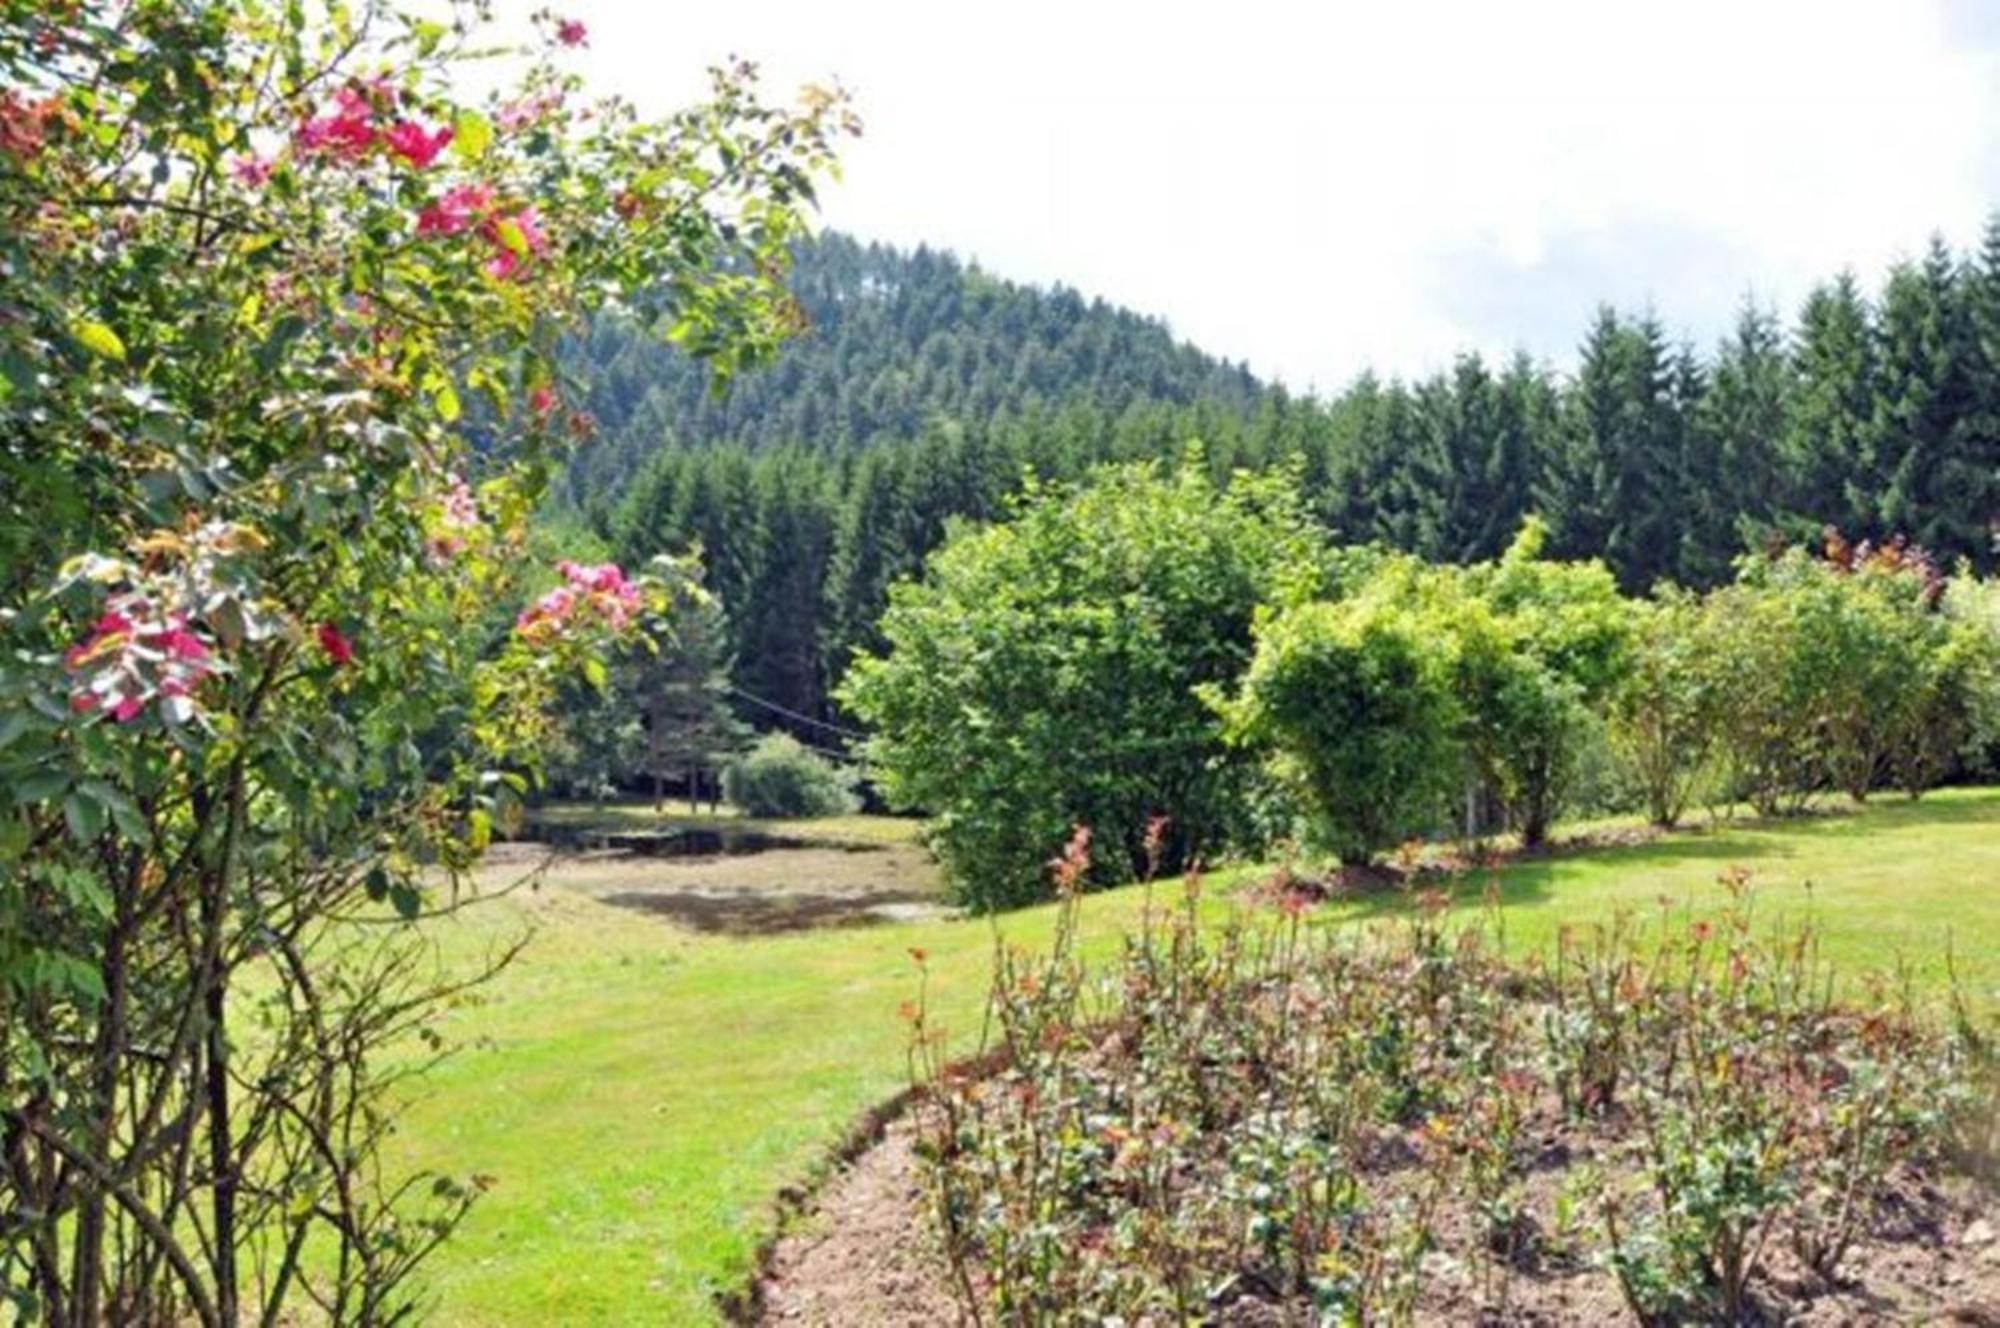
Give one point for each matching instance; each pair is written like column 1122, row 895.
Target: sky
column 1322, row 188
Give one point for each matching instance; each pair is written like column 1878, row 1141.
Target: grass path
column 643, row 1093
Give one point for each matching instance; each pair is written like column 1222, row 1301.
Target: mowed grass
column 643, row 1094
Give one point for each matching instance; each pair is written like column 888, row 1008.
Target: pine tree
column 870, row 550
column 1924, row 445
column 1733, row 469
column 1830, row 421
column 780, row 625
column 678, row 681
column 1974, row 469
column 1615, row 484
column 1572, row 490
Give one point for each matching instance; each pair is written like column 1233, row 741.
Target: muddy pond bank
column 728, row 880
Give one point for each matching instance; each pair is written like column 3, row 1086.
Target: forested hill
column 894, row 341
column 1877, row 411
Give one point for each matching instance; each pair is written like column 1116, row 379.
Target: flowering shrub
column 590, row 597
column 259, row 704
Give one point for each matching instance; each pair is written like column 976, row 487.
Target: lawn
column 643, row 1093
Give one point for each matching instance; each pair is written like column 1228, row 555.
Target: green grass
column 646, row 1093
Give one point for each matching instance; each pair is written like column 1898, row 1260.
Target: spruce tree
column 1734, row 472
column 1829, row 425
column 1924, row 444
column 678, row 682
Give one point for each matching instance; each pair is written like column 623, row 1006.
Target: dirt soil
column 741, row 894
column 862, row 1252
column 865, row 1254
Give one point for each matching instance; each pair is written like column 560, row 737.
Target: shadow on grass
column 1528, row 880
column 746, row 913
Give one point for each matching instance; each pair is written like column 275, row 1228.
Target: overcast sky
column 1318, row 188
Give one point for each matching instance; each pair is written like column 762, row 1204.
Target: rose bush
column 277, row 396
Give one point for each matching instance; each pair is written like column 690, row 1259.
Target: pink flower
column 132, row 654
column 455, row 211
column 571, row 32
column 530, row 224
column 542, row 400
column 338, row 648
column 179, row 643
column 524, row 111
column 251, row 170
column 598, row 596
column 516, row 236
column 348, row 133
column 457, row 516
column 460, row 507
column 408, row 140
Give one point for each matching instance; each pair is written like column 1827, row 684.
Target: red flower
column 571, row 32
column 409, row 140
column 338, row 648
column 542, row 400
column 24, row 124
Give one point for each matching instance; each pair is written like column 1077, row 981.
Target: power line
column 777, row 709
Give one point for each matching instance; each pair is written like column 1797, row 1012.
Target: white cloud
column 1321, row 187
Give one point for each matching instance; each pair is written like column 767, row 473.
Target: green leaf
column 40, row 787
column 447, row 400
column 595, row 673
column 85, row 817
column 409, row 900
column 471, row 135
column 511, row 235
column 98, row 339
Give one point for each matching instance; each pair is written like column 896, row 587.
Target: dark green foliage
column 894, row 341
column 1829, row 424
column 781, row 777
column 1923, row 456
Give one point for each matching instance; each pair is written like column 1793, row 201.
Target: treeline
column 1878, row 415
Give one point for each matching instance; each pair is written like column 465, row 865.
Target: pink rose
column 409, row 140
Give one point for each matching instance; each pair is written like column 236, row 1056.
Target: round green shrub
column 782, row 777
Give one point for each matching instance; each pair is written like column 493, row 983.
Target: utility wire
column 777, row 709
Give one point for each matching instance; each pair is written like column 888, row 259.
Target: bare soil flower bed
column 866, row 1252
column 1672, row 1120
